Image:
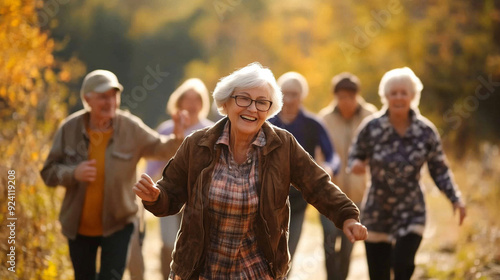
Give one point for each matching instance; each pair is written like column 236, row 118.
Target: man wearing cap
column 341, row 118
column 94, row 156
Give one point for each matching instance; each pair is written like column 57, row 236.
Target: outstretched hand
column 460, row 206
column 354, row 230
column 146, row 188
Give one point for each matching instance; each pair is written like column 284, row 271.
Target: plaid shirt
column 233, row 252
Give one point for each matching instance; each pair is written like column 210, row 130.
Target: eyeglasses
column 260, row 105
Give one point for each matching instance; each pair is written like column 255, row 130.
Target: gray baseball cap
column 99, row 81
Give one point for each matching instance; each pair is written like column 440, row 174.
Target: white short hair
column 298, row 79
column 397, row 76
column 196, row 85
column 251, row 76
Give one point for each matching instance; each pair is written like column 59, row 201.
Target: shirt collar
column 86, row 119
column 260, row 140
column 412, row 129
column 336, row 109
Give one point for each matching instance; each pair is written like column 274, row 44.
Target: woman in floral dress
column 395, row 144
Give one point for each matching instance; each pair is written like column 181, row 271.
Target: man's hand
column 86, row 171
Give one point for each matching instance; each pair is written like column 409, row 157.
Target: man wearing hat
column 94, row 156
column 341, row 118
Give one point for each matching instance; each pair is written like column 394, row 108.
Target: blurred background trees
column 46, row 47
column 452, row 46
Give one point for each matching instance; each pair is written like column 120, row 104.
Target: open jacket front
column 187, row 179
column 131, row 140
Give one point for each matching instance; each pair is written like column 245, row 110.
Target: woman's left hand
column 461, row 211
column 354, row 230
column 146, row 188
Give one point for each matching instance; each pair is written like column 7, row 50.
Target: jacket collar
column 212, row 134
column 413, row 130
column 359, row 99
column 86, row 117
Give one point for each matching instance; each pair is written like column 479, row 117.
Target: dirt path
column 309, row 261
column 309, row 258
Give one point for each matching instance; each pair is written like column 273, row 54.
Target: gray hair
column 401, row 75
column 251, row 76
column 196, row 85
column 298, row 79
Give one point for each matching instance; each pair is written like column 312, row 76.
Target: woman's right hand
column 358, row 167
column 181, row 119
column 354, row 230
column 146, row 188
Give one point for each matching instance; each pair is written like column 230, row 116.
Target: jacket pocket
column 122, row 156
column 280, row 191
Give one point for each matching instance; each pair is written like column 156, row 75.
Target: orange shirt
column 91, row 218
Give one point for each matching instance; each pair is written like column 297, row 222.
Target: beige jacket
column 342, row 133
column 131, row 140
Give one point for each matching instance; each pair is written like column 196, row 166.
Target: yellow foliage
column 50, row 272
column 26, row 53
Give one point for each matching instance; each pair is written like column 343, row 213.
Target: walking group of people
column 232, row 195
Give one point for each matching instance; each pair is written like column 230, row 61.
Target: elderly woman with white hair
column 232, row 182
column 395, row 144
column 189, row 105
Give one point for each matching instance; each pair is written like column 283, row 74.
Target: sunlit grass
column 471, row 251
column 450, row 251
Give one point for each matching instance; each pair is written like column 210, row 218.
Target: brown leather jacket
column 187, row 177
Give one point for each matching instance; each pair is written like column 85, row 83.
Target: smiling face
column 399, row 98
column 103, row 105
column 191, row 102
column 246, row 121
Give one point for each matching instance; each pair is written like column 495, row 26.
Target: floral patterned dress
column 394, row 205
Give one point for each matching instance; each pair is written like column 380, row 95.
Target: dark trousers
column 297, row 213
column 114, row 249
column 400, row 257
column 336, row 262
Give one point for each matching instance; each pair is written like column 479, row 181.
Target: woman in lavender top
column 395, row 143
column 190, row 103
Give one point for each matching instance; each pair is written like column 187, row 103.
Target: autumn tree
column 32, row 96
